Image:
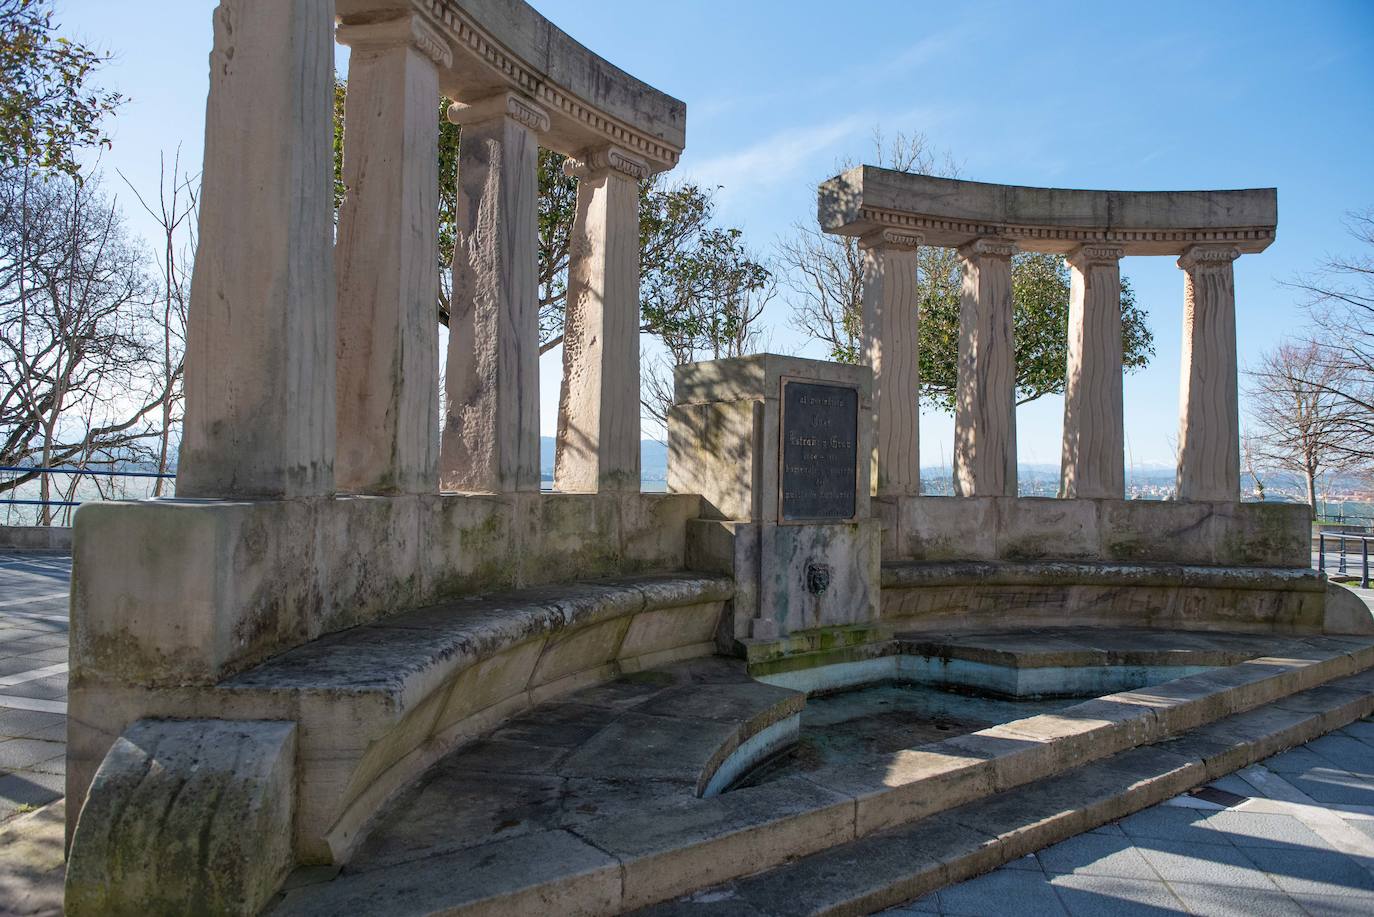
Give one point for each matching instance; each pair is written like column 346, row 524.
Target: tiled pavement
column 33, row 679
column 1293, row 835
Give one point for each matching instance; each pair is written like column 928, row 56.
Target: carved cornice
column 1208, row 256
column 1092, row 253
column 407, row 30
column 607, row 159
column 503, row 104
column 892, row 238
column 988, row 248
column 467, row 33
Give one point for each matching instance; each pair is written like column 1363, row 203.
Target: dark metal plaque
column 820, row 452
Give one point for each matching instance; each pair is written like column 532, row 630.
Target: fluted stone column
column 1209, row 415
column 490, row 438
column 891, row 347
column 260, row 328
column 598, row 409
column 1094, row 460
column 985, row 403
column 388, row 372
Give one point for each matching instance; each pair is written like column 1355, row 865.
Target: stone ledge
column 910, row 574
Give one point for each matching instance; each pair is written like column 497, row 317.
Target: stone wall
column 1114, row 531
column 36, row 538
column 187, row 592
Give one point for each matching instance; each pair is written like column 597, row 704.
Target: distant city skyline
column 1176, row 95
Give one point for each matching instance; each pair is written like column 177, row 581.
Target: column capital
column 988, row 248
column 892, row 238
column 503, row 104
column 1207, row 255
column 392, row 33
column 1094, row 253
column 609, row 158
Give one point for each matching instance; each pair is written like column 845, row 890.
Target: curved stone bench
column 982, row 594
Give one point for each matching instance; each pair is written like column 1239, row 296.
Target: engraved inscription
column 820, row 450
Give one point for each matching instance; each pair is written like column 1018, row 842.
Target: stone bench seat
column 377, row 704
column 977, row 594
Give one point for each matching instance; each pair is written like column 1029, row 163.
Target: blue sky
column 1164, row 95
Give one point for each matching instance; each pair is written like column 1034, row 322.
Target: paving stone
column 991, row 893
column 1345, row 753
column 1253, row 829
column 1230, row 901
column 1213, row 864
column 1360, row 729
column 1111, row 896
column 26, row 723
column 930, row 904
column 21, row 753
column 29, row 788
column 636, row 745
column 1296, row 761
column 1328, row 785
column 1027, row 863
column 1096, row 855
column 1166, row 823
column 1351, row 905
column 1313, row 872
column 1232, row 783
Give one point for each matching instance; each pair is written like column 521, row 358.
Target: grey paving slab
column 1184, row 861
column 1336, row 905
column 1173, row 824
column 1110, row 896
column 21, row 753
column 1096, row 855
column 1233, row 901
column 1314, row 872
column 989, row 894
column 1252, row 829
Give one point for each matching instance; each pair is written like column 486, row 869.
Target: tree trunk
column 1312, row 492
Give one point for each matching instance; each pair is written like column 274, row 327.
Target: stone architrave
column 1094, row 460
column 985, row 402
column 388, row 363
column 260, row 328
column 891, row 326
column 1209, row 414
column 598, row 411
column 490, row 439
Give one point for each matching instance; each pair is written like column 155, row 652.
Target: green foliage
column 1040, row 291
column 48, row 112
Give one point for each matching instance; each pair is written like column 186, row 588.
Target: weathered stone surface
column 186, row 815
column 1209, row 412
column 891, row 338
column 261, row 318
column 1094, row 439
column 598, row 412
column 851, row 555
column 1346, row 612
column 985, row 401
column 387, row 357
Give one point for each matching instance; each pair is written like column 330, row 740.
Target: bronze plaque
column 819, row 453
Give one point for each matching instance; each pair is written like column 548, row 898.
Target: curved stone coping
column 653, row 849
column 507, row 45
column 378, row 704
column 953, row 212
column 915, row 574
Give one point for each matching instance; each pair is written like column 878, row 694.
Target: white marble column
column 490, row 437
column 1094, row 459
column 1209, row 415
column 985, row 403
column 598, row 409
column 260, row 335
column 891, row 325
column 388, row 363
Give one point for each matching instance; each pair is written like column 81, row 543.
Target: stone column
column 985, row 403
column 260, row 329
column 490, row 438
column 388, row 362
column 1209, row 416
column 891, row 347
column 1094, row 460
column 598, row 410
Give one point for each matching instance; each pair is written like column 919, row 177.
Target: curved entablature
column 950, row 213
column 485, row 47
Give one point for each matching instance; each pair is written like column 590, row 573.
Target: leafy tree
column 48, row 109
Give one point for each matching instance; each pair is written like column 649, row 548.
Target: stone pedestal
column 891, row 336
column 985, row 403
column 260, row 328
column 598, row 411
column 779, row 448
column 491, row 432
column 1094, row 462
column 1209, row 414
column 388, row 373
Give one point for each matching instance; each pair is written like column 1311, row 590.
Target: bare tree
column 1340, row 299
column 1300, row 424
column 74, row 330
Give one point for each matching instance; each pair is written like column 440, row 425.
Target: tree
column 1299, row 424
column 1340, row 300
column 826, row 273
column 76, row 330
column 48, row 109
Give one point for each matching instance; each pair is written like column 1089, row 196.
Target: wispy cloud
column 779, row 158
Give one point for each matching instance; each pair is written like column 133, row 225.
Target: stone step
column 894, row 866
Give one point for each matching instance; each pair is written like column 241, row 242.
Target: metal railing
column 1341, row 565
column 76, row 474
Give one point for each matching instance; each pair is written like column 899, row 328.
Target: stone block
column 579, row 651
column 716, row 450
column 186, row 815
column 848, row 557
column 1041, row 528
column 908, row 785
column 947, row 528
column 656, row 631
